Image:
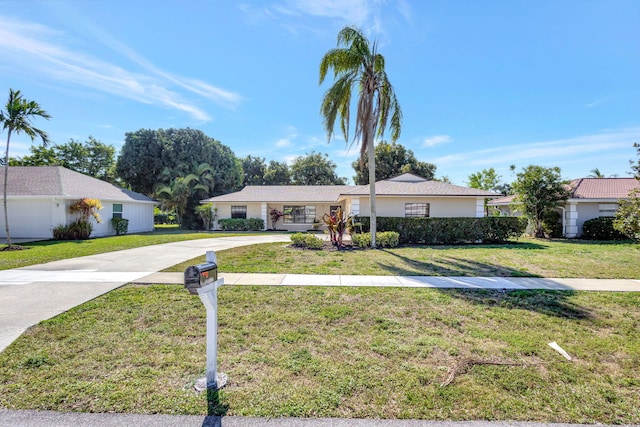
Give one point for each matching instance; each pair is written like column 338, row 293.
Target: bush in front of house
column 601, row 229
column 241, row 224
column 120, row 225
column 448, row 231
column 385, row 239
column 552, row 224
column 79, row 229
column 304, row 240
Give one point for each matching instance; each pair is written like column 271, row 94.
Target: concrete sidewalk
column 31, row 294
column 76, row 419
column 498, row 283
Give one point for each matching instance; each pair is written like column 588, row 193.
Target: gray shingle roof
column 56, row 181
column 284, row 193
column 393, row 187
column 403, row 185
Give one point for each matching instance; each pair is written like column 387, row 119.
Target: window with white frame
column 416, row 210
column 116, row 212
column 239, row 211
column 299, row 214
column 608, row 209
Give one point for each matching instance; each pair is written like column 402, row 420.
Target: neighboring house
column 38, row 200
column 588, row 198
column 404, row 196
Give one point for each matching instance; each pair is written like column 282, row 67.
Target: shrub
column 304, row 240
column 385, row 239
column 552, row 224
column 121, row 225
column 439, row 231
column 79, row 229
column 362, row 240
column 601, row 229
column 241, row 224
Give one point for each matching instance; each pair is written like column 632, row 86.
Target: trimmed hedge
column 304, row 240
column 120, row 225
column 601, row 229
column 241, row 224
column 449, row 231
column 385, row 239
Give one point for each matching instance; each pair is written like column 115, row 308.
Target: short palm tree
column 595, row 173
column 355, row 62
column 17, row 119
column 175, row 195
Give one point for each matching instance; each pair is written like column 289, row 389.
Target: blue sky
column 482, row 83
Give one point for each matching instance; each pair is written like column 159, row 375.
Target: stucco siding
column 586, row 211
column 440, row 207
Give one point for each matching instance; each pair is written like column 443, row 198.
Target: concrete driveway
column 31, row 294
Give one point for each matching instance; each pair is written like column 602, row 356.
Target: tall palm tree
column 356, row 62
column 16, row 119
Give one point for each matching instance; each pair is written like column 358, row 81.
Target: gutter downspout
column 564, row 227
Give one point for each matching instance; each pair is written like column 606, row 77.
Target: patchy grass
column 339, row 352
column 526, row 257
column 54, row 250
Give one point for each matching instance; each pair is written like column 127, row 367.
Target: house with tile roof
column 588, row 198
column 403, row 196
column 38, row 200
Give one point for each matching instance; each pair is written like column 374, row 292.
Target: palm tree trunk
column 371, row 154
column 5, row 191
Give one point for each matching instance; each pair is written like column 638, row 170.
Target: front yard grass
column 339, row 352
column 525, row 257
column 54, row 250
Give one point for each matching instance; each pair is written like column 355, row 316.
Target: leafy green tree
column 175, row 195
column 539, row 190
column 147, row 153
column 392, row 159
column 40, row 156
column 91, row 157
column 254, row 169
column 315, row 169
column 487, row 179
column 635, row 166
column 356, row 63
column 627, row 219
column 277, row 173
column 16, row 118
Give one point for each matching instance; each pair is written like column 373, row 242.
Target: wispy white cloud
column 283, row 142
column 432, row 141
column 370, row 15
column 598, row 102
column 45, row 51
column 556, row 151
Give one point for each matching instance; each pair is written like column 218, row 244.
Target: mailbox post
column 202, row 280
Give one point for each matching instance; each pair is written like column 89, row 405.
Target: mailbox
column 197, row 276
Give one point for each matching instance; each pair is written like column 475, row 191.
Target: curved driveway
column 31, row 294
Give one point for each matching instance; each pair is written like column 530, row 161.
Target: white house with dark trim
column 588, row 198
column 406, row 195
column 38, row 200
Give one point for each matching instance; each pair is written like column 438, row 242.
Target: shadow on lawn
column 448, row 266
column 549, row 302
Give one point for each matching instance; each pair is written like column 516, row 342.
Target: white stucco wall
column 441, row 207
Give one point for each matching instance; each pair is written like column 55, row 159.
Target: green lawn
column 53, row 250
column 339, row 352
column 526, row 257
